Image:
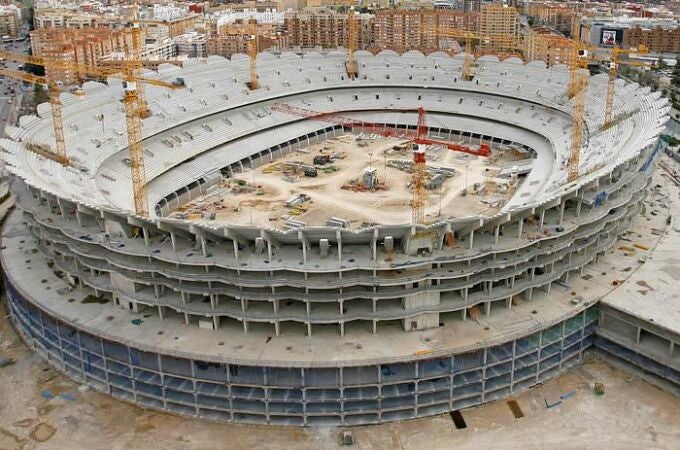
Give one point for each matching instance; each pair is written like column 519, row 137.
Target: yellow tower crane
column 133, row 112
column 252, row 53
column 468, row 74
column 614, row 63
column 497, row 44
column 351, row 44
column 53, row 91
column 578, row 85
column 133, row 59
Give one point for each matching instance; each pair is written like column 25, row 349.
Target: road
column 11, row 91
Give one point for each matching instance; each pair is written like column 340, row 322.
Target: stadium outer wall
column 333, row 393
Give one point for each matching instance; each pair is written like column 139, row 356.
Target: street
column 11, row 91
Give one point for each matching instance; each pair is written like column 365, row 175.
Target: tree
column 660, row 63
column 675, row 80
column 40, row 94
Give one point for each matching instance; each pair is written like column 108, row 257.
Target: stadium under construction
column 281, row 276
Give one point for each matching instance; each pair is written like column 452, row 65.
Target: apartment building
column 657, row 39
column 326, row 28
column 501, row 24
column 422, row 29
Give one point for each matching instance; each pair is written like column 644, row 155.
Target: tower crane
column 614, row 63
column 351, row 44
column 578, row 85
column 508, row 43
column 53, row 90
column 419, row 137
column 133, row 59
column 252, row 53
column 133, row 111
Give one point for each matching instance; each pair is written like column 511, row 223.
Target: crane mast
column 578, row 85
column 351, row 45
column 134, row 58
column 252, row 53
column 59, row 154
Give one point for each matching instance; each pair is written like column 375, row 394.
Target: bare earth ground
column 265, row 206
column 632, row 415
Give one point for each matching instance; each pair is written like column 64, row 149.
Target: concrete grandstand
column 338, row 315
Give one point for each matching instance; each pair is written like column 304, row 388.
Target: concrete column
column 203, row 246
column 520, row 226
column 562, row 206
column 338, row 237
column 472, row 238
column 542, row 220
column 374, row 244
column 496, row 233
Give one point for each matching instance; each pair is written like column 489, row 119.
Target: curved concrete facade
column 322, row 325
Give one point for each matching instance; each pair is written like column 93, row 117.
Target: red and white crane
column 418, row 136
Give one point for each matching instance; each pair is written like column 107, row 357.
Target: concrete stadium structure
column 317, row 325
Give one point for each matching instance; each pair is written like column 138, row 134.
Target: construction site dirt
column 355, row 180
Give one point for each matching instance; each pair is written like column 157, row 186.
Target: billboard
column 610, row 37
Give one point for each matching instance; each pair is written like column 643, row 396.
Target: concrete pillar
column 338, row 237
column 324, row 247
column 496, row 233
column 562, row 206
column 472, row 238
column 542, row 220
column 520, row 226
